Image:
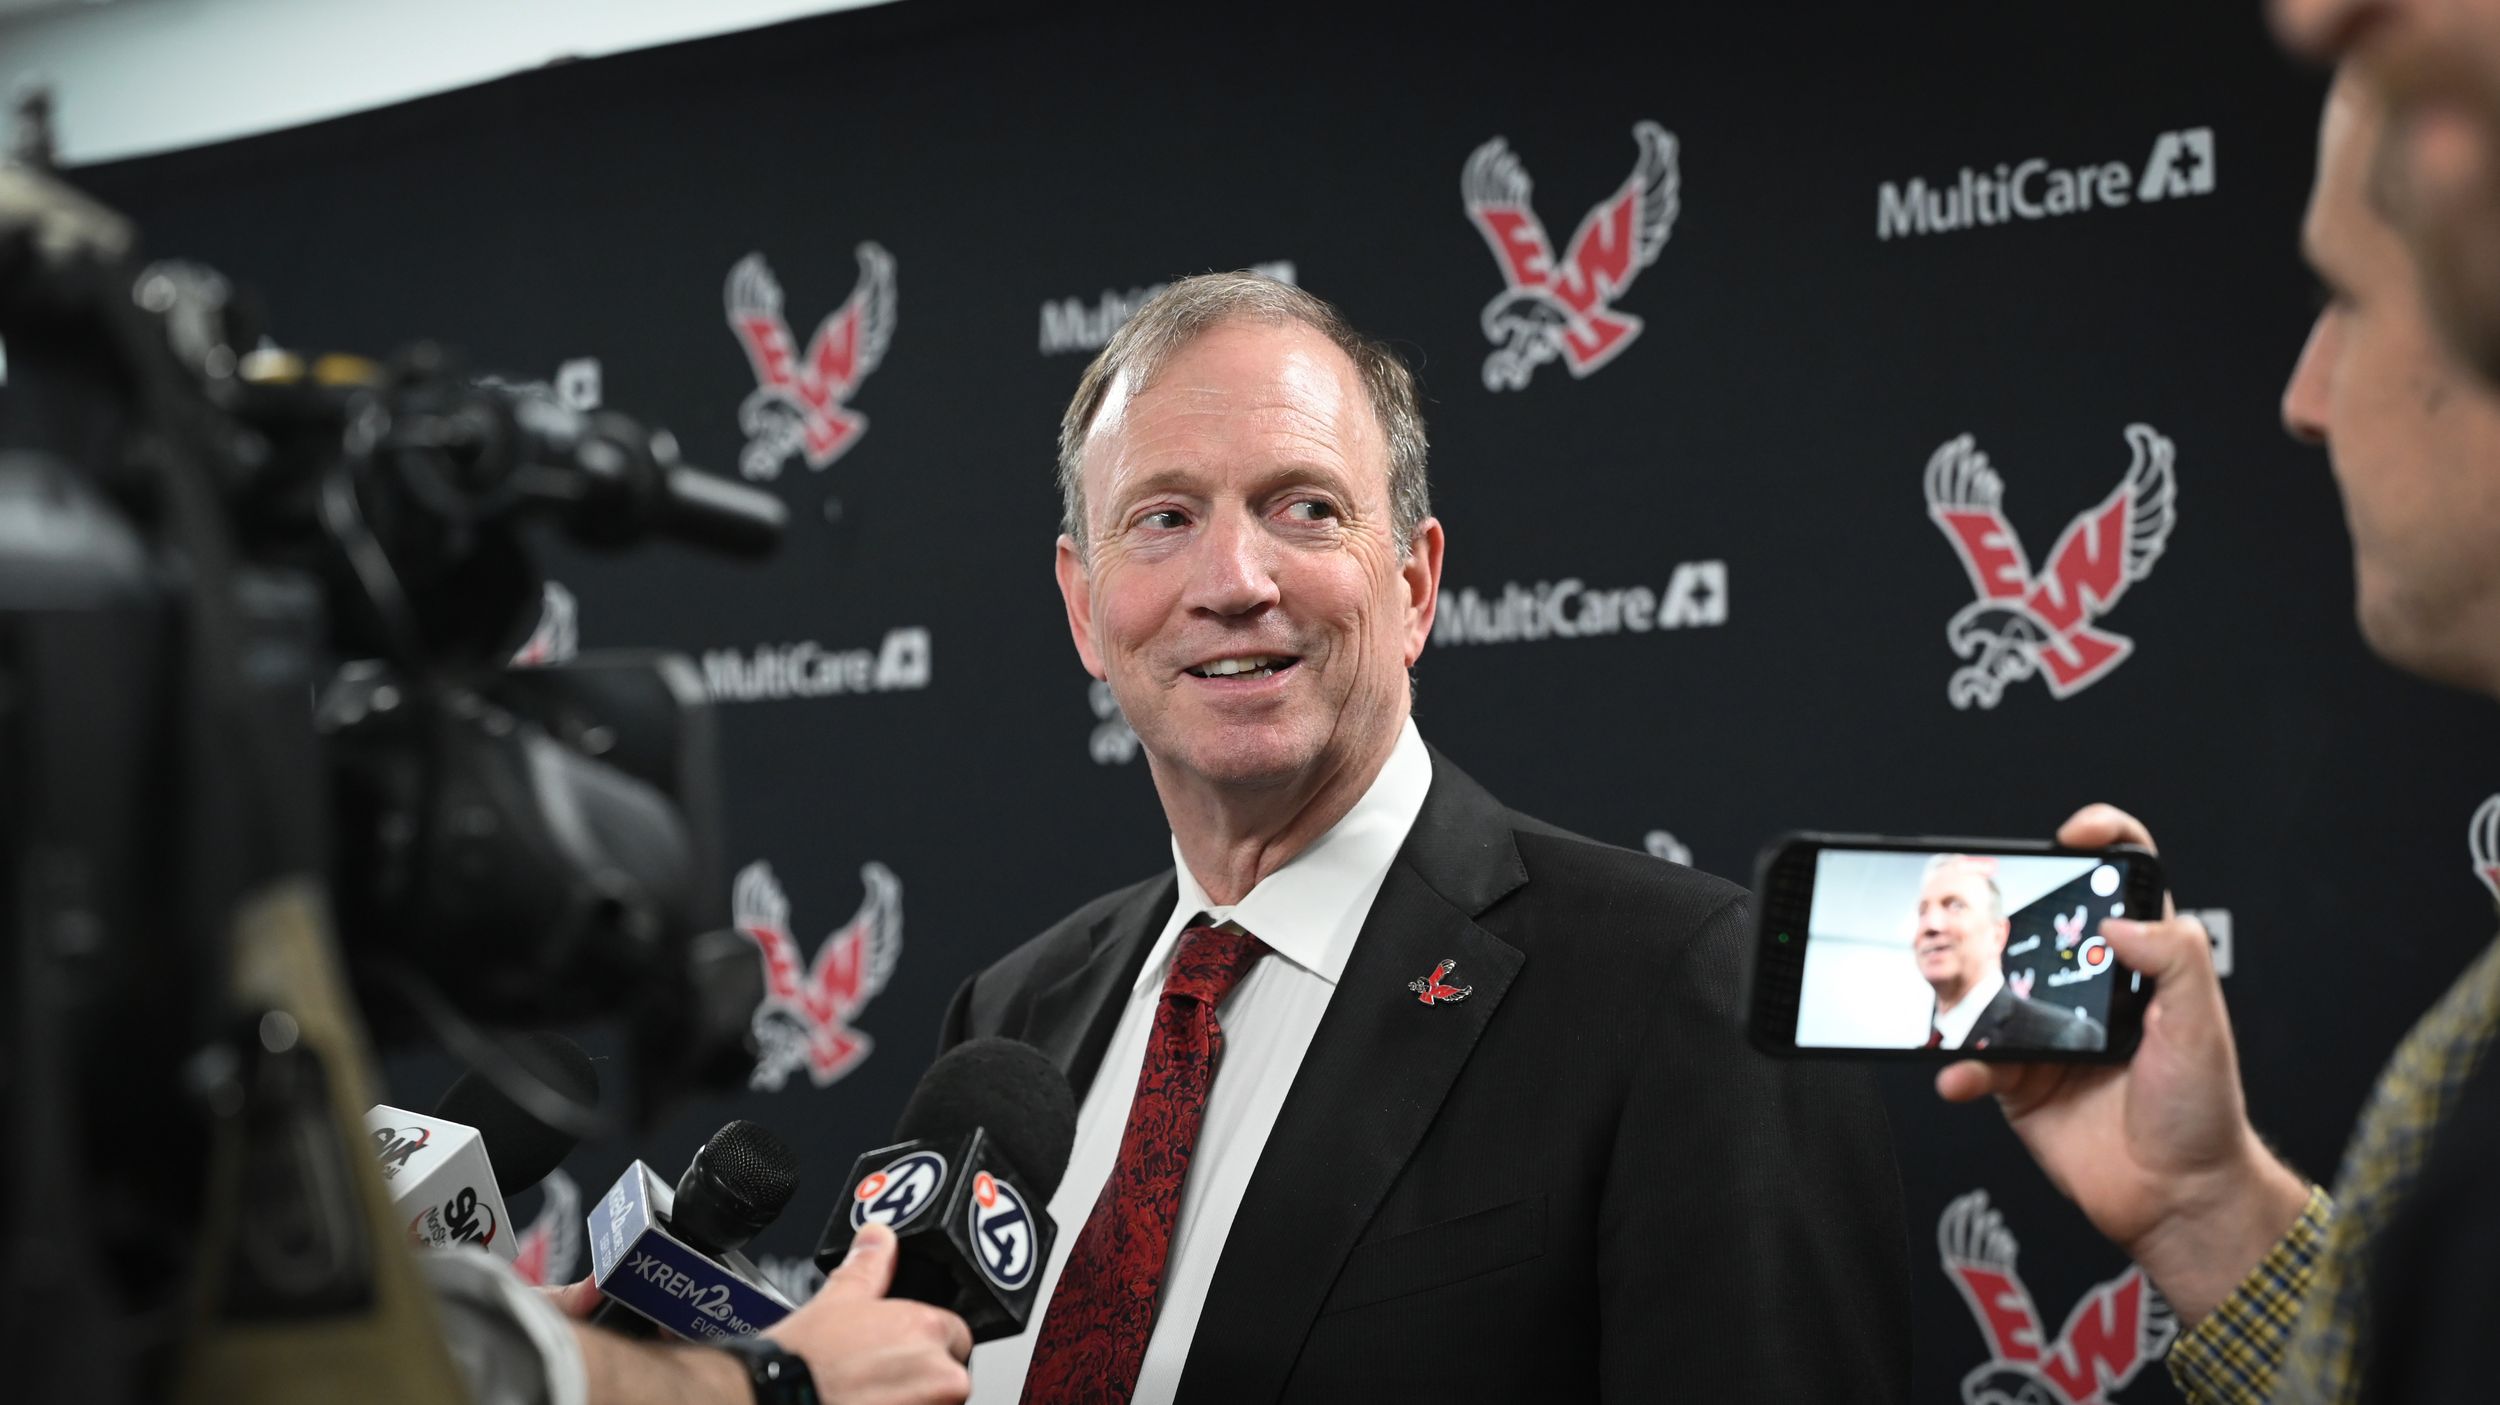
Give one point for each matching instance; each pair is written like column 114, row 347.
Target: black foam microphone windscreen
column 523, row 1148
column 1008, row 1089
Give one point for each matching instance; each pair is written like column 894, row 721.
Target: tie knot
column 1211, row 961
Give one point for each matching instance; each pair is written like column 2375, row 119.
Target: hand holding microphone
column 860, row 1344
column 978, row 1153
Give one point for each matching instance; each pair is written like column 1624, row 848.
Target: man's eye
column 1312, row 510
column 1164, row 519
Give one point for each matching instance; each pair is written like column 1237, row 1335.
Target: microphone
column 966, row 1186
column 438, row 1169
column 523, row 1146
column 436, row 1165
column 670, row 1255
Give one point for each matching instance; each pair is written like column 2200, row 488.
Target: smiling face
column 1242, row 590
column 1960, row 933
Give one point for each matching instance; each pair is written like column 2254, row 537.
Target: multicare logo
column 1550, row 310
column 804, row 1022
column 1114, row 742
column 800, row 406
column 2027, row 624
column 1072, row 324
column 2110, row 1336
column 2181, row 164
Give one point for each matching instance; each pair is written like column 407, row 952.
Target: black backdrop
column 1775, row 416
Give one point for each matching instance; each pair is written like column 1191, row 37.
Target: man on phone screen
column 1959, row 944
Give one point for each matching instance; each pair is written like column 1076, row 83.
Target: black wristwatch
column 778, row 1377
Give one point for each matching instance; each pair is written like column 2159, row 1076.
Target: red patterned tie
column 1094, row 1335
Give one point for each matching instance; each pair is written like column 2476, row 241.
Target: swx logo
column 463, row 1219
column 395, row 1147
column 2181, row 164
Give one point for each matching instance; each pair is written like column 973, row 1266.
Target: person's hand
column 2158, row 1153
column 863, row 1346
column 575, row 1300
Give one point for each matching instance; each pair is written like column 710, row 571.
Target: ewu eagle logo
column 2024, row 623
column 546, row 1251
column 800, row 404
column 2118, row 1327
column 2482, row 839
column 804, row 1021
column 1549, row 309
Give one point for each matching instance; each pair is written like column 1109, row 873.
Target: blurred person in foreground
column 2285, row 1292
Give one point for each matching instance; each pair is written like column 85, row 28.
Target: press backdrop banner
column 1863, row 423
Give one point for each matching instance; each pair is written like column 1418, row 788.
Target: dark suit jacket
column 2012, row 1022
column 1580, row 1183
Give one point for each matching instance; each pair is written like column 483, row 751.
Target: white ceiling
column 131, row 77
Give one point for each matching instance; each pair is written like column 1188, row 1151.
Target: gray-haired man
column 1388, row 1092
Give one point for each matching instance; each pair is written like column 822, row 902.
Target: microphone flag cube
column 967, row 1235
column 438, row 1175
column 638, row 1262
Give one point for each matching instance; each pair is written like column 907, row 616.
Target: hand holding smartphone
column 1947, row 949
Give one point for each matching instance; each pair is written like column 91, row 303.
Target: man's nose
column 1235, row 568
column 2307, row 394
column 2322, row 30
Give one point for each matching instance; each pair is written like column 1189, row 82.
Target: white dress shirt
column 1309, row 913
column 1956, row 1022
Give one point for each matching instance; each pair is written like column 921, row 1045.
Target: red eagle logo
column 805, row 1019
column 800, row 403
column 2024, row 624
column 546, row 1251
column 1435, row 990
column 1566, row 309
column 2482, row 837
column 2118, row 1327
column 558, row 637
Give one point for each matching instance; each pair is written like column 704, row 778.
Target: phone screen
column 1961, row 952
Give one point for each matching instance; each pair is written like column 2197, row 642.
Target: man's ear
column 1421, row 572
column 2005, row 933
column 1076, row 591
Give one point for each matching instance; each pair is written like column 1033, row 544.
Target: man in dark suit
column 1388, row 1092
column 1959, row 943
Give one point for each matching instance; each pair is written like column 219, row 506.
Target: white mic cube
column 438, row 1175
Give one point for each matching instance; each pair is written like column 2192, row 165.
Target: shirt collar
column 1956, row 1022
column 1311, row 910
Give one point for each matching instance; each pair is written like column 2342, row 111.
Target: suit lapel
column 1370, row 1084
column 1991, row 1021
column 1072, row 1018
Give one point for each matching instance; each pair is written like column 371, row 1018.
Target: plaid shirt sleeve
column 2232, row 1356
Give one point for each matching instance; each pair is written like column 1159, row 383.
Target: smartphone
column 1944, row 949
